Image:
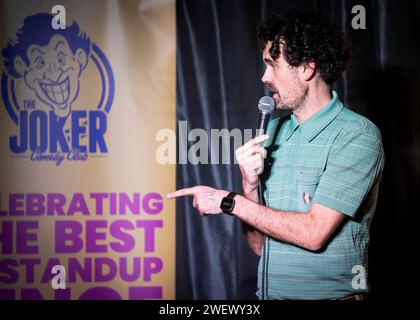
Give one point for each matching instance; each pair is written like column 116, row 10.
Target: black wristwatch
column 228, row 203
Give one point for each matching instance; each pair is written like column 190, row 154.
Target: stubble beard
column 297, row 103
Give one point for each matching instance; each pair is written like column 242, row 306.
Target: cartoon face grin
column 58, row 93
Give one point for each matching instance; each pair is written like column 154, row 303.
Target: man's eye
column 62, row 58
column 39, row 62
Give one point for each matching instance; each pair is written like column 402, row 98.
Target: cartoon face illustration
column 50, row 61
column 53, row 73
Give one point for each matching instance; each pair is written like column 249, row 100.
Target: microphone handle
column 263, row 119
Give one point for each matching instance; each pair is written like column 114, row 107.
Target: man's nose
column 265, row 78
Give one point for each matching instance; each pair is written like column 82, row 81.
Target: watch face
column 227, row 204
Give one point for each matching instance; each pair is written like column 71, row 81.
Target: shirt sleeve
column 354, row 165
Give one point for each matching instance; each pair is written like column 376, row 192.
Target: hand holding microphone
column 251, row 155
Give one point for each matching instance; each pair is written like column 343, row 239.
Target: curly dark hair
column 307, row 37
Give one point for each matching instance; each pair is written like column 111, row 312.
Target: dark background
column 219, row 68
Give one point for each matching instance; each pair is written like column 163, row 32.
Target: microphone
column 266, row 106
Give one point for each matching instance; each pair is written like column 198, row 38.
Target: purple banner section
column 57, row 204
column 88, row 270
column 26, row 235
column 96, row 293
column 68, row 237
column 94, row 238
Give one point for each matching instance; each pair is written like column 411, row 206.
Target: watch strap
column 231, row 195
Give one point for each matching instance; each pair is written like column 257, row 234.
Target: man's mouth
column 58, row 93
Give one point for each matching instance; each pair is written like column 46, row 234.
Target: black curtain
column 219, row 68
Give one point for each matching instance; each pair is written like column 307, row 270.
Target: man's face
column 289, row 91
column 53, row 73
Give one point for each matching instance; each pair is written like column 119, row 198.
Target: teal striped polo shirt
column 335, row 158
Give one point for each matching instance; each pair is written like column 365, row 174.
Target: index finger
column 182, row 192
column 255, row 141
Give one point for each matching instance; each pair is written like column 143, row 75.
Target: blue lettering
column 77, row 130
column 23, row 126
column 57, row 133
column 42, row 132
column 97, row 129
column 38, row 129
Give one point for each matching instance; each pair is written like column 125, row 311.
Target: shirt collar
column 318, row 121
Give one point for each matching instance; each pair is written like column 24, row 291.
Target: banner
column 85, row 87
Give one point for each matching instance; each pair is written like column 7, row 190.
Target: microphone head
column 266, row 104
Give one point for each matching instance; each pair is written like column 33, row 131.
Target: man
column 321, row 175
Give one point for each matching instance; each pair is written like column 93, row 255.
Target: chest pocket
column 307, row 184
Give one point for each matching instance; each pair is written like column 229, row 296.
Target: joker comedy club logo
column 58, row 89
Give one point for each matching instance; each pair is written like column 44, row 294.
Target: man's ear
column 19, row 65
column 308, row 70
column 81, row 58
